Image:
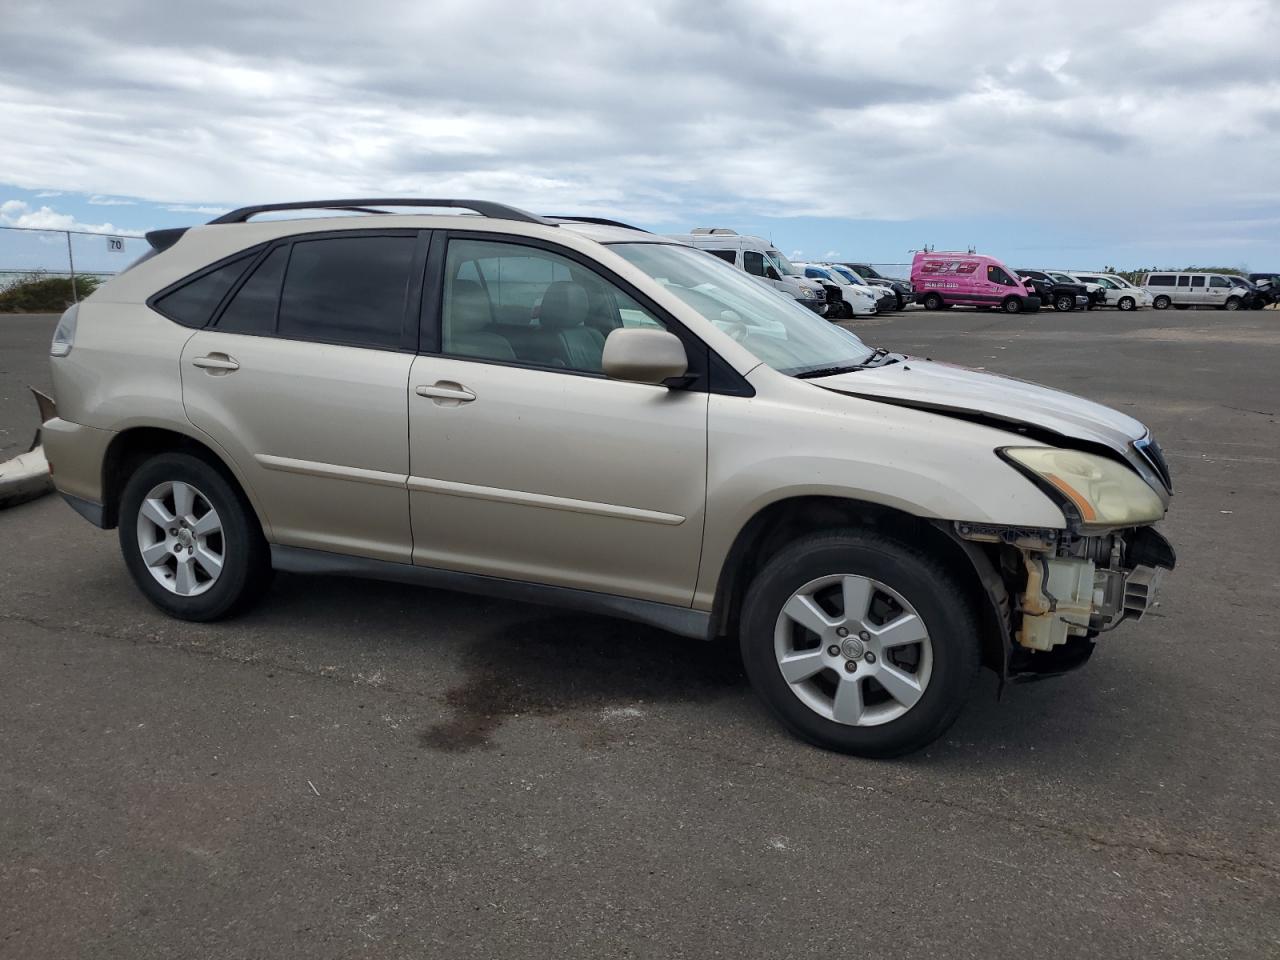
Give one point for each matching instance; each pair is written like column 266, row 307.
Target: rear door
column 526, row 462
column 302, row 379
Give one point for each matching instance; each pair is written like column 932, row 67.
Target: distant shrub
column 40, row 293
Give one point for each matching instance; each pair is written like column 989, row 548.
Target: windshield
column 846, row 273
column 869, row 272
column 773, row 326
column 1064, row 278
column 785, row 266
column 819, row 273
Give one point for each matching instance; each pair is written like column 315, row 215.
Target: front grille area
column 1155, row 456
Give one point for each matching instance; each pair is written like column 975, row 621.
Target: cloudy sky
column 1048, row 133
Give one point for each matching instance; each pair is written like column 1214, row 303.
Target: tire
column 1232, row 304
column 846, row 310
column 899, row 578
column 225, row 570
column 932, row 302
column 1161, row 303
column 1064, row 303
column 1011, row 305
column 1127, row 303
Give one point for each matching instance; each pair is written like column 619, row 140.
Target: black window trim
column 711, row 373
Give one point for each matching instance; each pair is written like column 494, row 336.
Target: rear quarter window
column 192, row 302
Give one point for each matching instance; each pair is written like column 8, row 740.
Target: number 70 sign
column 115, row 244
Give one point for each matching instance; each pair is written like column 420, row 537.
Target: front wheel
column 191, row 540
column 1126, row 303
column 1233, row 303
column 859, row 643
column 1012, row 305
column 933, row 302
column 1161, row 303
column 1064, row 303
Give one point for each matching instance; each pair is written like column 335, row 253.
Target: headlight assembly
column 1093, row 491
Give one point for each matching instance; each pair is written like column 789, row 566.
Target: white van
column 1172, row 289
column 761, row 259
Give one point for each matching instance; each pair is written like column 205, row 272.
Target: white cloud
column 100, row 201
column 18, row 213
column 1114, row 118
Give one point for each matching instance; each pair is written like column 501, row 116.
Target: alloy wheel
column 180, row 538
column 853, row 650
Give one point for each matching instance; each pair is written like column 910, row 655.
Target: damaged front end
column 1066, row 589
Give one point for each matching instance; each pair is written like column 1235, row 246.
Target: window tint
column 1197, row 281
column 517, row 304
column 997, row 275
column 753, row 262
column 253, row 308
column 193, row 303
column 347, row 290
column 1160, row 280
column 1184, row 281
column 1218, row 282
column 728, row 256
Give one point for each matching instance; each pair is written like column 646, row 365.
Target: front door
column 302, row 381
column 526, row 462
column 1216, row 292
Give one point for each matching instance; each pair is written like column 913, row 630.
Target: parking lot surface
column 369, row 769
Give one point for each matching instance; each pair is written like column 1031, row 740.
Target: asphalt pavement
column 366, row 769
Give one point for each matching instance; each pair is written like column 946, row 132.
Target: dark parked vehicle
column 1267, row 286
column 1062, row 295
column 902, row 289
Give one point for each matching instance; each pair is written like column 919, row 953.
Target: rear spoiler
column 162, row 240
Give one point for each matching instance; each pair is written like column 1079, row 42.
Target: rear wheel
column 1011, row 305
column 933, row 302
column 859, row 643
column 1064, row 302
column 1161, row 302
column 1126, row 303
column 191, row 540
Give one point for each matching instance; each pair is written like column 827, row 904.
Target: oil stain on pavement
column 560, row 664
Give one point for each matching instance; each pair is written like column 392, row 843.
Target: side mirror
column 644, row 355
column 771, row 273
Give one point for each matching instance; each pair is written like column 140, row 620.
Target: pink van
column 969, row 279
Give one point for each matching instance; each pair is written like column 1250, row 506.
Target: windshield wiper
column 830, row 371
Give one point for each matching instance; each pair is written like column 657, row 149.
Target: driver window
column 997, row 275
column 753, row 262
column 1218, row 282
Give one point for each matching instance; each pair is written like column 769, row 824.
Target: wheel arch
column 782, row 521
column 131, row 447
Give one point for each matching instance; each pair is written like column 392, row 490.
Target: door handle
column 447, row 391
column 216, row 361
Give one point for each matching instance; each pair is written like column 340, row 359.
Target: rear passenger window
column 528, row 306
column 753, row 262
column 347, row 290
column 193, row 303
column 1184, row 281
column 1197, row 281
column 253, row 308
column 728, row 256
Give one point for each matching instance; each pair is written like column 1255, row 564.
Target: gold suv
column 576, row 412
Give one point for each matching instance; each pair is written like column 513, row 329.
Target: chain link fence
column 45, row 271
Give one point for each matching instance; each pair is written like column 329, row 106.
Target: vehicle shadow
column 524, row 660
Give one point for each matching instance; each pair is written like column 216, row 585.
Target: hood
column 948, row 389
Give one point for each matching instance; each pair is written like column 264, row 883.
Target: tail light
column 64, row 334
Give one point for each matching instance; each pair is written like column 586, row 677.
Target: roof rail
column 599, row 221
column 715, row 231
column 485, row 208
